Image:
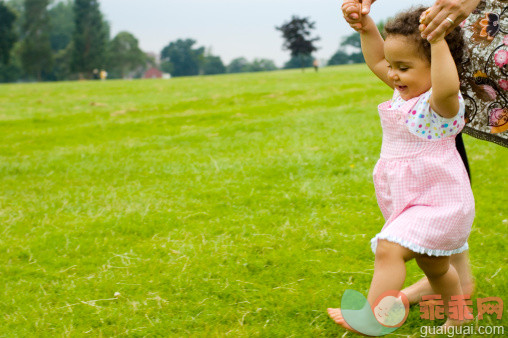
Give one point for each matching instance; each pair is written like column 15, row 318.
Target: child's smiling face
column 408, row 68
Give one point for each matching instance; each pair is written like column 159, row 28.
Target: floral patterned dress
column 485, row 83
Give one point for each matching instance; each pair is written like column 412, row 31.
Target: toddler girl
column 421, row 184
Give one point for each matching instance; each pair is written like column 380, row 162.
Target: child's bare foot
column 468, row 318
column 421, row 288
column 336, row 315
column 415, row 291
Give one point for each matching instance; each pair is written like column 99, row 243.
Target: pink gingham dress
column 422, row 186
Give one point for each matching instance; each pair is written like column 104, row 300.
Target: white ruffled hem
column 416, row 248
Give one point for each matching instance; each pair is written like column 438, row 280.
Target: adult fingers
column 428, row 18
column 350, row 3
column 459, row 21
column 440, row 25
column 448, row 31
column 366, row 6
column 351, row 12
column 445, row 15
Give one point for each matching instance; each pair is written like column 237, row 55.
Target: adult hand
column 353, row 10
column 434, row 21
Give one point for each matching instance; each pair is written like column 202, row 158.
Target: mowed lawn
column 233, row 205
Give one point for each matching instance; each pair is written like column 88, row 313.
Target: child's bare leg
column 389, row 274
column 461, row 264
column 389, row 268
column 443, row 279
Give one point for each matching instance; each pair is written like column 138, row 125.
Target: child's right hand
column 351, row 9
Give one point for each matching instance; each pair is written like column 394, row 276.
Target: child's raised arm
column 373, row 49
column 445, row 80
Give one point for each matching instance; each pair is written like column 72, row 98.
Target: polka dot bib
column 425, row 123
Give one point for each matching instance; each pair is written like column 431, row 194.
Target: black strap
column 459, row 143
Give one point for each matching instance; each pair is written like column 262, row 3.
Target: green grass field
column 235, row 205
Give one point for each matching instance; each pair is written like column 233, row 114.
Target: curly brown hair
column 406, row 24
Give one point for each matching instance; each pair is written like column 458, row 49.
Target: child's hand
column 351, row 9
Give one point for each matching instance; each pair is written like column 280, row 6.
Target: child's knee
column 434, row 266
column 387, row 250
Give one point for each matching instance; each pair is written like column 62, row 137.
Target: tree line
column 182, row 58
column 49, row 40
column 53, row 40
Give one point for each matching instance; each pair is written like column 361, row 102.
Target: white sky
column 234, row 28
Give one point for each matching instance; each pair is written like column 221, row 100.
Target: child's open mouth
column 401, row 88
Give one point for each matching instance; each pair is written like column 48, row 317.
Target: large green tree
column 7, row 32
column 124, row 55
column 62, row 24
column 18, row 7
column 90, row 38
column 62, row 65
column 182, row 57
column 297, row 38
column 36, row 55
